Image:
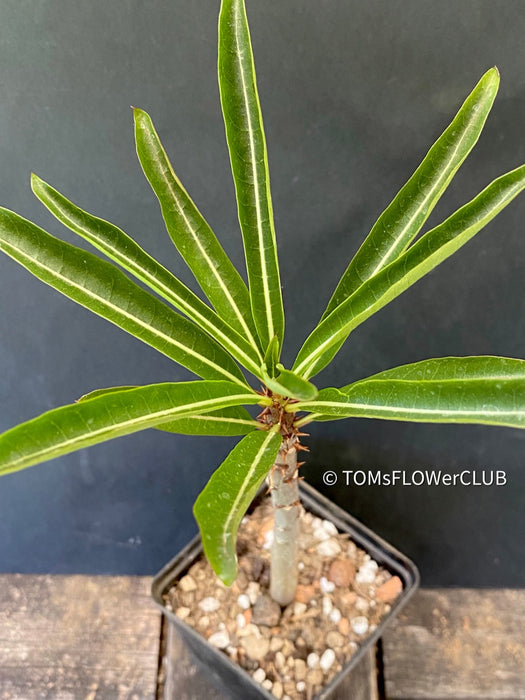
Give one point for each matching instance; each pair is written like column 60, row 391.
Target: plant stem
column 284, row 486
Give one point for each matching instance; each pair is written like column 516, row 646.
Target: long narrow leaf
column 290, row 384
column 73, row 427
column 404, row 217
column 271, row 358
column 432, row 248
column 249, row 161
column 487, row 390
column 192, row 235
column 234, row 420
column 105, row 290
column 226, row 422
column 118, row 246
column 227, row 495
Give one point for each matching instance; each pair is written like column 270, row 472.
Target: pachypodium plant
column 243, row 325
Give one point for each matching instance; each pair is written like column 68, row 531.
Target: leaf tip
column 492, row 77
column 139, row 114
column 227, row 577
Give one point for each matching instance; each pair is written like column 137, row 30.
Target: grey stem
column 284, row 486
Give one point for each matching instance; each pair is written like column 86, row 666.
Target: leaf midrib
column 403, row 409
column 134, row 319
column 253, row 160
column 424, row 202
column 171, row 413
column 202, row 250
column 166, row 291
column 241, row 491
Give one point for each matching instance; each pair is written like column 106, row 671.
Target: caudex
column 242, row 326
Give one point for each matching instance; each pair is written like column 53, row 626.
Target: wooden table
column 101, row 638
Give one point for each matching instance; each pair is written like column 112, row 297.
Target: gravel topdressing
column 293, row 651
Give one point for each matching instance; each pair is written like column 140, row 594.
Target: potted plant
column 242, row 328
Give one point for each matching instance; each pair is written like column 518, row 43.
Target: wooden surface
column 457, row 643
column 77, row 638
column 99, row 638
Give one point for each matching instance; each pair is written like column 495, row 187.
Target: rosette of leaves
column 241, row 329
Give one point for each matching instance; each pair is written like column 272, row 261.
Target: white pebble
column 268, row 540
column 312, row 660
column 335, row 615
column 329, row 548
column 277, row 690
column 241, row 621
column 187, row 584
column 243, row 601
column 326, row 585
column 327, row 659
column 209, row 604
column 267, row 684
column 327, row 605
column 253, row 591
column 300, row 685
column 299, row 609
column 351, row 550
column 367, row 572
column 280, row 660
column 300, row 566
column 219, row 639
column 361, row 604
column 329, row 527
column 182, row 612
column 321, row 534
column 359, row 625
column 259, row 675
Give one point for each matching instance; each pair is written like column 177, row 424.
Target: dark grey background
column 353, row 95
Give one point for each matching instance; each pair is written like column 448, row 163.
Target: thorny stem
column 283, row 483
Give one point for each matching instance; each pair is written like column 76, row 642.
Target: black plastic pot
column 233, row 680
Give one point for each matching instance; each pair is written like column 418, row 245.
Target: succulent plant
column 241, row 329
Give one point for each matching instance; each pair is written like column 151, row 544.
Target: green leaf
column 111, row 415
column 227, row 496
column 118, row 246
column 291, row 385
column 249, row 161
column 102, row 288
column 487, row 390
column 234, row 420
column 226, row 422
column 192, row 235
column 431, row 249
column 271, row 357
column 402, row 220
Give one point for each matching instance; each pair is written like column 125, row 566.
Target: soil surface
column 293, row 651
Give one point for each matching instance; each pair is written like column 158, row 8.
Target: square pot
column 234, row 681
